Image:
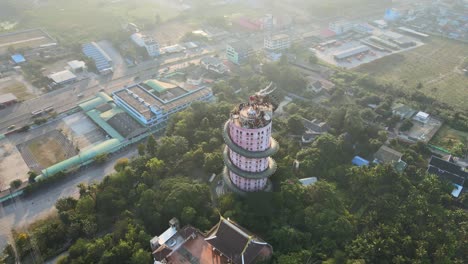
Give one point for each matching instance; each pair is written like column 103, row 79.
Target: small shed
column 359, row 161
column 308, row 181
column 421, row 117
column 18, row 58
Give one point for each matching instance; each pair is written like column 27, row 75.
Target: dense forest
column 351, row 215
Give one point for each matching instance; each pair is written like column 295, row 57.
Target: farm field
column 85, row 20
column 16, row 88
column 449, row 138
column 22, row 39
column 435, row 65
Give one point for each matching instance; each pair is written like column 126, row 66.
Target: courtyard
column 45, row 146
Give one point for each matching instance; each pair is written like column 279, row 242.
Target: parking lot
column 327, row 52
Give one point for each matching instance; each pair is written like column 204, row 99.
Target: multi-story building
column 151, row 45
column 213, row 64
column 277, row 42
column 153, row 101
column 239, row 52
column 340, row 27
column 249, row 145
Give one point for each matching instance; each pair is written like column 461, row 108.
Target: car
column 80, row 95
column 11, row 127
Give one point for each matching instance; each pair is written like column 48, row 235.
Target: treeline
column 352, row 215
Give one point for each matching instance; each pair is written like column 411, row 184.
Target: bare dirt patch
column 16, row 88
column 46, row 150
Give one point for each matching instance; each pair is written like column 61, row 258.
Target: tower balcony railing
column 272, row 150
column 272, row 166
column 234, row 188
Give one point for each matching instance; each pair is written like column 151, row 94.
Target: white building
column 340, row 27
column 421, row 117
column 76, row 66
column 152, row 102
column 151, row 45
column 277, row 42
column 63, row 77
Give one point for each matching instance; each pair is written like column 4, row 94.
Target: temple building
column 225, row 243
column 249, row 145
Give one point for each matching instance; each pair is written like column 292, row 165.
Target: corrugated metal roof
column 359, row 161
column 96, row 117
column 84, row 156
column 5, row 98
column 63, row 76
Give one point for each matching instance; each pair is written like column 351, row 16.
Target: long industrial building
column 153, row 101
column 350, row 52
column 99, row 56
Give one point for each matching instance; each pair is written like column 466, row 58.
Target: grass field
column 18, row 89
column 447, row 138
column 47, row 152
column 84, row 20
column 436, row 65
column 30, row 38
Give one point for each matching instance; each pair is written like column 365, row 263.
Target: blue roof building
column 358, row 161
column 18, row 58
column 101, row 59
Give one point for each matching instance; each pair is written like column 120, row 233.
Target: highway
column 68, row 97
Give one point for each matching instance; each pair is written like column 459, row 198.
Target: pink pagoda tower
column 249, row 145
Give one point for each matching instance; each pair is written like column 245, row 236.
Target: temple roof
column 236, row 243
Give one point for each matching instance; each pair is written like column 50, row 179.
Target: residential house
column 313, row 129
column 386, row 155
column 448, row 171
column 403, row 111
column 213, row 64
column 317, row 84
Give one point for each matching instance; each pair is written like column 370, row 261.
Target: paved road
column 67, row 97
column 39, row 205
